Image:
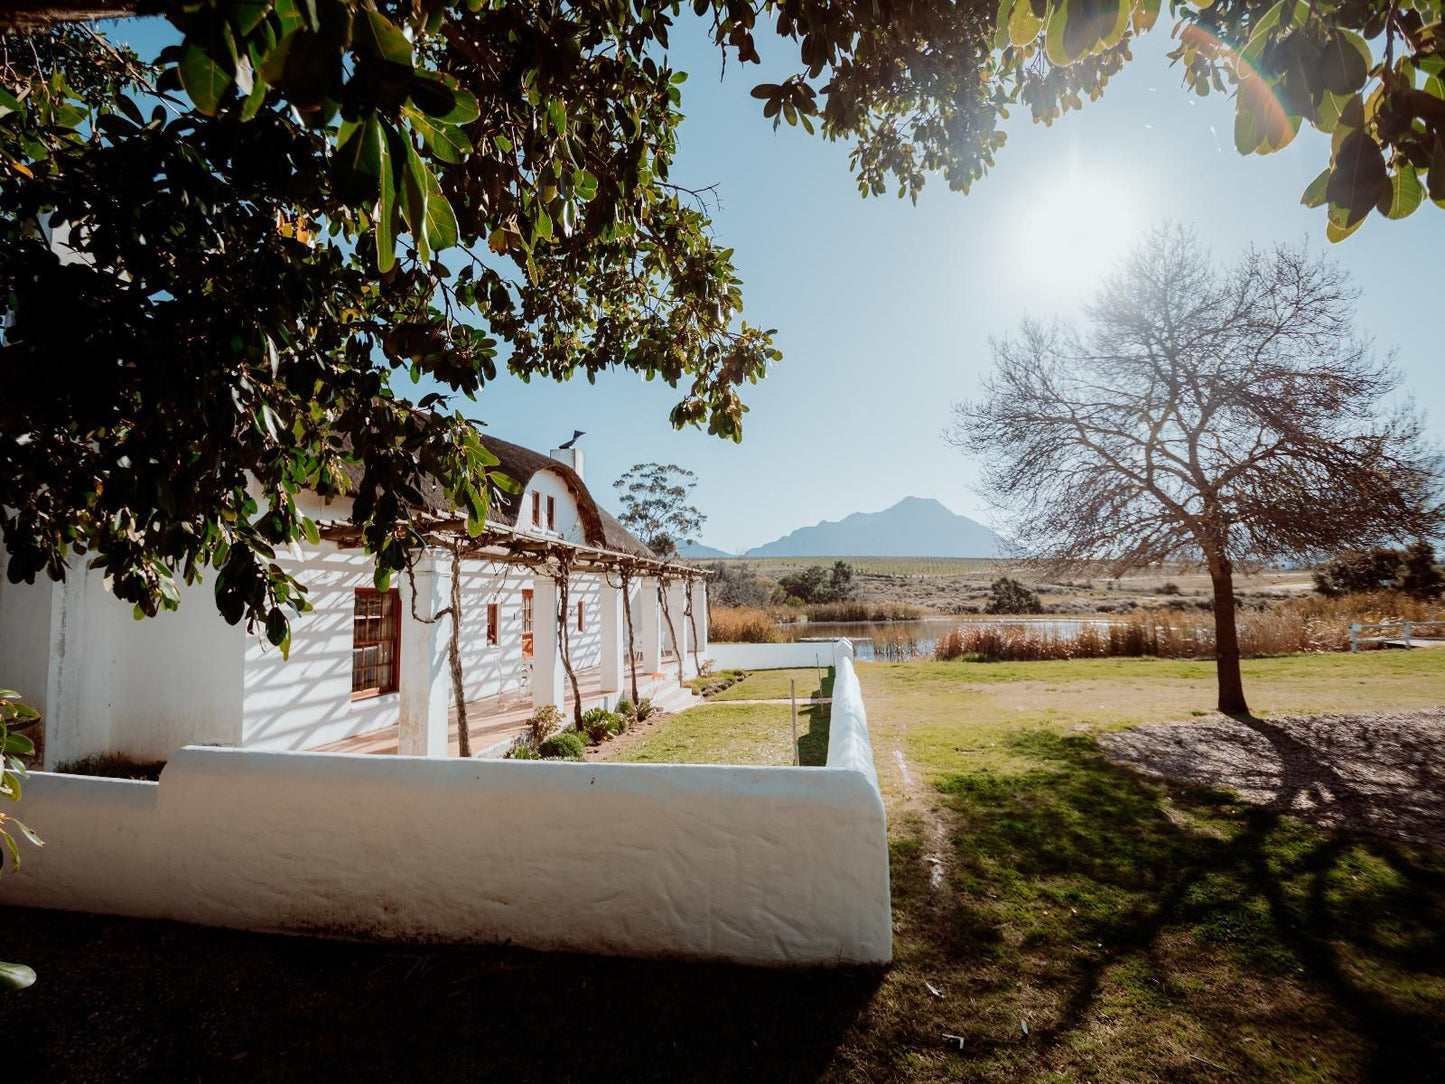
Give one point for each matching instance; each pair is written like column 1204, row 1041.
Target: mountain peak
column 914, row 527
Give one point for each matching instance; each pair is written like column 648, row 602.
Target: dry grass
column 741, row 625
column 756, row 625
column 1306, row 625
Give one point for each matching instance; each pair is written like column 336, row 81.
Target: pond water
column 898, row 641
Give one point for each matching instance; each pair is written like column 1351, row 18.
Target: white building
column 364, row 673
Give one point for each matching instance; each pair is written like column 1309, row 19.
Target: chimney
column 573, row 457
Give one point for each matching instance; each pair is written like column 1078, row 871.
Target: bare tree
column 1226, row 416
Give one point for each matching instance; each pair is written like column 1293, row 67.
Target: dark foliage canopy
column 216, row 261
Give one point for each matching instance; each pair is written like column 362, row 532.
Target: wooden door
column 526, row 624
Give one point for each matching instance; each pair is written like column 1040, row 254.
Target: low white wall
column 778, row 656
column 761, row 865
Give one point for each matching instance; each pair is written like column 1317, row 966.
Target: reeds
column 755, row 625
column 741, row 625
column 1310, row 624
column 855, row 610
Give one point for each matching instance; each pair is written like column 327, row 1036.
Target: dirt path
column 1381, row 774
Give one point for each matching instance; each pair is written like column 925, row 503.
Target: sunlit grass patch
column 735, row 734
column 774, row 685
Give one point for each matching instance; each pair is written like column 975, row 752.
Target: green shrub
column 521, row 749
column 619, row 723
column 644, row 708
column 564, row 746
column 626, row 708
column 599, row 724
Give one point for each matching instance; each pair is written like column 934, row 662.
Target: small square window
column 551, row 513
column 493, row 623
column 581, row 617
column 536, row 509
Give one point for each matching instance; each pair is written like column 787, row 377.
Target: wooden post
column 1354, row 628
column 793, row 695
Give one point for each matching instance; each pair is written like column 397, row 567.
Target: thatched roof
column 600, row 528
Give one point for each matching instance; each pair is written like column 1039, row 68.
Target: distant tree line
column 1413, row 570
column 737, row 584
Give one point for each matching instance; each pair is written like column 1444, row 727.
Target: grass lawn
column 773, row 685
column 1087, row 926
column 1093, row 926
column 735, row 734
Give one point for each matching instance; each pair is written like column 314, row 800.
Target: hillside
column 697, row 550
column 914, row 527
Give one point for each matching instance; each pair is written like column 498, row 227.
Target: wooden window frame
column 394, row 640
column 551, row 513
column 536, row 509
column 528, row 638
column 581, row 616
column 494, row 624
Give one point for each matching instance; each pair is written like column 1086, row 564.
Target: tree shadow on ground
column 1174, row 912
column 125, row 999
column 813, row 742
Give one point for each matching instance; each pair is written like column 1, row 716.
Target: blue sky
column 884, row 309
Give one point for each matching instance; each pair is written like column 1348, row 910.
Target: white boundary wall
column 760, row 865
column 778, row 656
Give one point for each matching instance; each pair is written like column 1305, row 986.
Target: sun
column 1077, row 228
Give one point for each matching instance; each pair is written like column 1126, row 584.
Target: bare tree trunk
column 1226, row 639
column 564, row 645
column 692, row 625
column 454, row 653
column 672, row 631
column 631, row 646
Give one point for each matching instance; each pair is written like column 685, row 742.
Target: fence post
column 1353, row 629
column 793, row 695
column 1407, row 634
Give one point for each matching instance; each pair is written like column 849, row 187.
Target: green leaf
column 1404, row 194
column 1435, row 178
column 1314, row 195
column 27, row 832
column 15, row 976
column 413, row 199
column 377, row 37
column 386, row 216
column 446, row 142
column 205, row 81
column 1341, row 224
column 437, row 220
column 360, row 152
column 1359, row 178
column 18, row 744
column 1345, row 62
column 1023, row 25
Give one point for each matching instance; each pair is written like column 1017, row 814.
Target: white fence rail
column 1409, row 632
column 779, row 656
column 763, row 865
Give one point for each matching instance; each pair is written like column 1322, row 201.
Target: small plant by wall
column 564, row 746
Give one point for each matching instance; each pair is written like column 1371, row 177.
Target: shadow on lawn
column 130, row 999
column 813, row 741
column 1330, row 946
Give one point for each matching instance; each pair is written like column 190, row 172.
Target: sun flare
column 1077, row 230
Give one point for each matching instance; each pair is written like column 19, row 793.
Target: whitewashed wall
column 305, row 700
column 569, row 524
column 778, row 656
column 761, row 865
column 106, row 682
